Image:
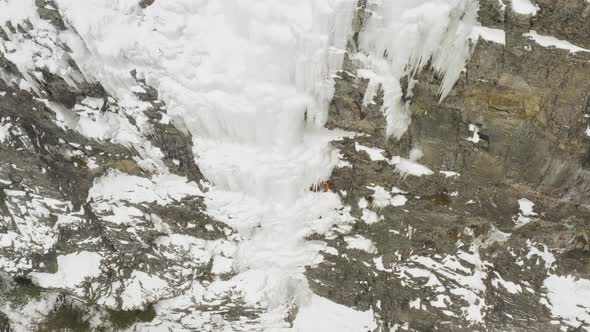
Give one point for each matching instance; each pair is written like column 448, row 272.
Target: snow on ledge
column 321, row 314
column 163, row 189
column 493, row 35
column 142, row 289
column 526, row 207
column 449, row 174
column 72, row 270
column 524, row 7
column 375, row 154
column 407, row 167
column 550, row 41
column 360, row 243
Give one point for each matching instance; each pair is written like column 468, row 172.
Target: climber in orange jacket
column 318, row 187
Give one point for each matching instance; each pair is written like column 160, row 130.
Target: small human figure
column 326, row 186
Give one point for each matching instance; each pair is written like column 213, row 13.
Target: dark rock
column 48, row 10
column 146, row 3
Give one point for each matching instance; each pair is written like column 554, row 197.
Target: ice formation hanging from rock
column 402, row 37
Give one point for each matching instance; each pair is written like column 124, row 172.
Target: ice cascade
column 402, row 37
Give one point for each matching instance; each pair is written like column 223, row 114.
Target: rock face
column 455, row 248
column 464, row 223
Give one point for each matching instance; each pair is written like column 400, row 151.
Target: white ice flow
column 252, row 81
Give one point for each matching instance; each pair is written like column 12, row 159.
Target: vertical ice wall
column 401, row 37
column 241, row 75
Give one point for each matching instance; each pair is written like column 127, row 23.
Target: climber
column 316, row 187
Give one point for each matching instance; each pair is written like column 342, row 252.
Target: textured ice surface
column 242, row 77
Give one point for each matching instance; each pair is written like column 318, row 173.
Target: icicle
column 401, row 37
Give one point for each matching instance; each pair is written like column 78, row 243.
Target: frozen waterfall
column 242, row 76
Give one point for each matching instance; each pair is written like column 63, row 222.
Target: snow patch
column 524, row 7
column 526, row 214
column 370, row 217
column 407, row 167
column 545, row 255
column 111, row 194
column 222, row 265
column 399, row 200
column 162, row 189
column 375, row 154
column 509, row 286
column 526, row 207
column 550, row 41
column 5, row 131
column 324, row 315
column 569, row 299
column 490, row 34
column 141, row 289
column 469, row 282
column 449, row 174
column 475, row 137
column 383, row 198
column 72, row 270
column 360, row 243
